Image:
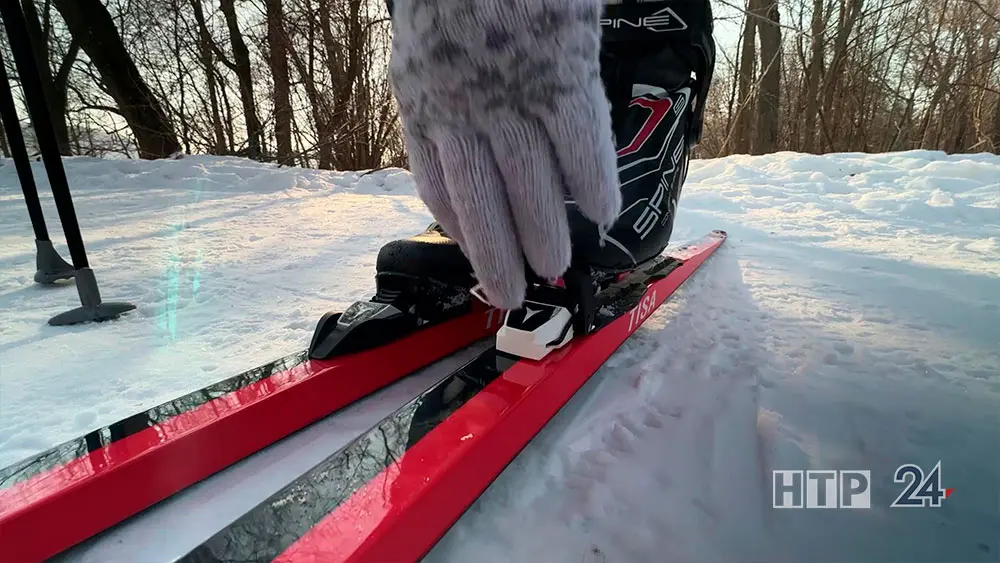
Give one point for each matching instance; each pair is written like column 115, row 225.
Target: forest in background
column 303, row 82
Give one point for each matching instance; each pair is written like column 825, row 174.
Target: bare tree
column 206, row 47
column 54, row 86
column 4, row 148
column 241, row 65
column 92, row 27
column 814, row 74
column 861, row 75
column 768, row 100
column 278, row 44
column 743, row 124
column 305, row 81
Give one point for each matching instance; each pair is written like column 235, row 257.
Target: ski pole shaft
column 31, row 83
column 18, row 149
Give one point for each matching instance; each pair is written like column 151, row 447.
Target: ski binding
column 535, row 330
column 583, row 303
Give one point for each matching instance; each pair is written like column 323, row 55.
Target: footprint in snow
column 652, row 420
column 621, row 439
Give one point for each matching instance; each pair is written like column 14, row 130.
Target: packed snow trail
column 641, row 462
column 852, row 321
column 794, row 348
column 230, row 262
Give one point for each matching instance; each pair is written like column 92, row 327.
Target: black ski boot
column 657, row 60
column 656, row 79
column 427, row 274
column 419, row 281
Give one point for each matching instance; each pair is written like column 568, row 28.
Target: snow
column 230, row 263
column 850, row 322
column 831, row 332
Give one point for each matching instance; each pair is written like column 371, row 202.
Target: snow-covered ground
column 230, row 263
column 852, row 321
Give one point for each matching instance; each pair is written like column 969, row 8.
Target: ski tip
column 712, row 239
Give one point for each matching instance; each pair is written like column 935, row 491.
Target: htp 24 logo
column 920, row 490
column 852, row 488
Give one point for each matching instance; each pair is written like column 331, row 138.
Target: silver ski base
column 535, row 330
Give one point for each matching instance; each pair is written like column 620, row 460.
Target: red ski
column 60, row 497
column 394, row 491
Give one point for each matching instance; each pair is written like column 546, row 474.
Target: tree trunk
column 744, row 108
column 961, row 122
column 179, row 59
column 849, row 10
column 346, row 98
column 55, row 94
column 927, row 138
column 918, row 81
column 91, row 25
column 208, row 63
column 241, row 56
column 227, row 113
column 278, row 47
column 995, row 137
column 334, row 65
column 4, row 149
column 813, row 75
column 769, row 97
column 307, row 72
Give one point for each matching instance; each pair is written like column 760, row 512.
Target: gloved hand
column 504, row 116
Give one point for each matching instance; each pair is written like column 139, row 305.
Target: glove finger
column 481, row 205
column 425, row 165
column 584, row 146
column 525, row 160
